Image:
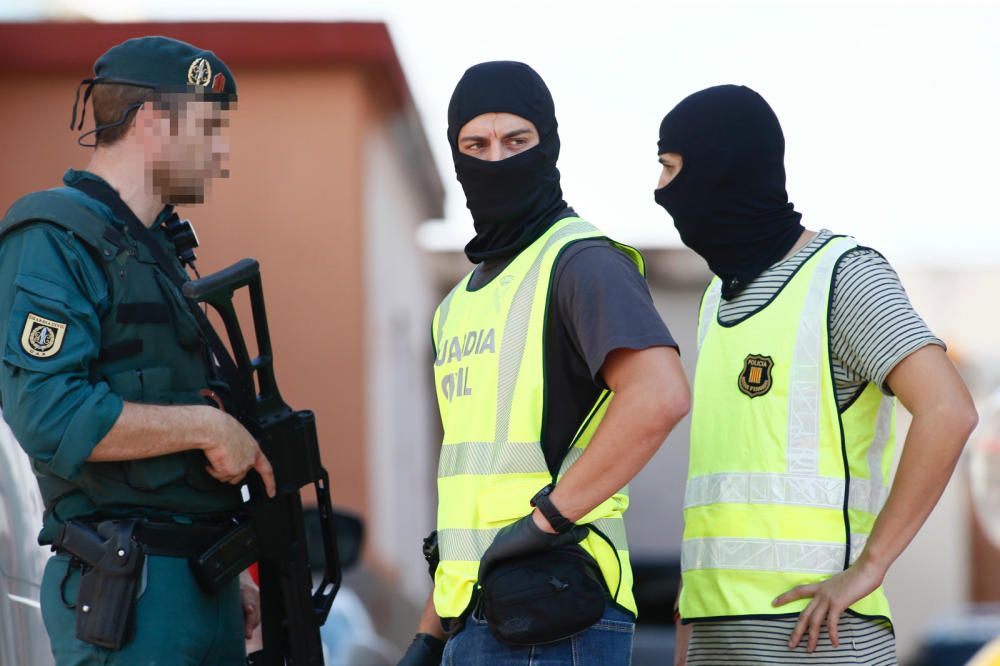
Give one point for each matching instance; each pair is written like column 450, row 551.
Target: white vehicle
column 349, row 639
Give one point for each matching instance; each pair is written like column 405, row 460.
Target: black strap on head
column 90, row 83
column 76, row 101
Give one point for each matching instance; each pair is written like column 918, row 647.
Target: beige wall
column 293, row 202
column 37, row 144
column 399, row 410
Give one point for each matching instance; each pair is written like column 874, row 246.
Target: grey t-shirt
column 599, row 303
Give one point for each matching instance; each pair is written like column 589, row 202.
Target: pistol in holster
column 105, row 605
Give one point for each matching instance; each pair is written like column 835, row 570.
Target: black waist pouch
column 543, row 597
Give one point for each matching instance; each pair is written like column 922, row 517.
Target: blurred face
column 672, row 164
column 185, row 145
column 496, row 136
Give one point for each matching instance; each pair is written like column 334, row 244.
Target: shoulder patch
column 42, row 337
column 755, row 379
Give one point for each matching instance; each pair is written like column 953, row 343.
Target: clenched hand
column 232, row 452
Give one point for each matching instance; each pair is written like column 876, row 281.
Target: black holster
column 105, row 604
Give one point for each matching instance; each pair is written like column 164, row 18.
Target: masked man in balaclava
column 556, row 381
column 804, row 340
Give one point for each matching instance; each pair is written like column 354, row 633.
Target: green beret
column 166, row 64
column 160, row 64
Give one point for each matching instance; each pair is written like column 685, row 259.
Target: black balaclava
column 729, row 202
column 513, row 201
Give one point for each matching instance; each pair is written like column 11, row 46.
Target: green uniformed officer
column 106, row 370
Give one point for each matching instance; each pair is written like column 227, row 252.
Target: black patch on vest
column 755, row 379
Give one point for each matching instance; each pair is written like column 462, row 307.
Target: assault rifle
column 275, row 533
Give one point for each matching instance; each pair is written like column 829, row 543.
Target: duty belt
column 158, row 538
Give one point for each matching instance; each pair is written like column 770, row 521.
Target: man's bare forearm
column 943, row 418
column 648, row 403
column 931, row 451
column 147, row 431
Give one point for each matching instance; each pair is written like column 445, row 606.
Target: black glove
column 431, row 552
column 524, row 537
column 425, row 650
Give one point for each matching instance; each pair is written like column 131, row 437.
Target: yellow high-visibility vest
column 490, row 379
column 782, row 487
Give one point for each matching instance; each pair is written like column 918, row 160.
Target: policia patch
column 755, row 380
column 42, row 337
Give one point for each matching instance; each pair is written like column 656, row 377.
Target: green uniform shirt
column 65, row 377
column 54, row 409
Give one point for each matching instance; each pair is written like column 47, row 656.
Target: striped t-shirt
column 873, row 327
column 872, row 324
column 753, row 642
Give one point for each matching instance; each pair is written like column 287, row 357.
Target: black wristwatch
column 543, row 503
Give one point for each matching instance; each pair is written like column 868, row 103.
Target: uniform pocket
column 127, row 384
column 620, row 626
column 607, row 642
column 156, row 385
column 147, row 385
column 58, row 584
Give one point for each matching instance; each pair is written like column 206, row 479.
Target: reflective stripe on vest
column 768, row 504
column 471, row 544
column 818, row 557
column 489, row 345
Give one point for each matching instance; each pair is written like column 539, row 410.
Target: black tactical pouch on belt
column 543, row 597
column 105, row 605
column 226, row 558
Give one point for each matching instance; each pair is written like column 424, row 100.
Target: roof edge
column 253, row 43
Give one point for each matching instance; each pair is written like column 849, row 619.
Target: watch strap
column 543, row 502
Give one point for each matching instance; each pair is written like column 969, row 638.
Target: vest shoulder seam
column 776, row 294
column 73, row 216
